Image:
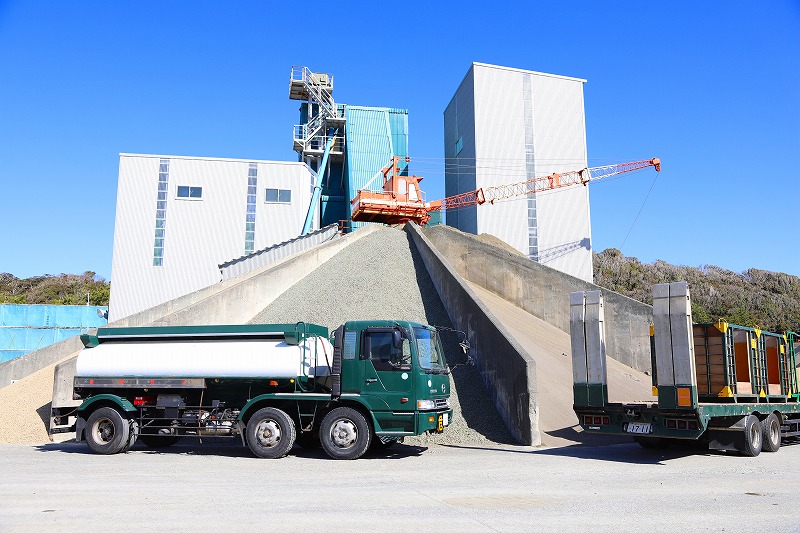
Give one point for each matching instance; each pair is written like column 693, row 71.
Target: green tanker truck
column 368, row 383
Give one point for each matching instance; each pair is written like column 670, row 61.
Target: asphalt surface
column 621, row 487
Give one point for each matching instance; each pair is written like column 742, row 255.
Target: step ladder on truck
column 723, row 386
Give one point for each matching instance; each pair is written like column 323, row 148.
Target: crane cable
column 636, row 218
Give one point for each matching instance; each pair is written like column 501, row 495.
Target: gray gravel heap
column 382, row 277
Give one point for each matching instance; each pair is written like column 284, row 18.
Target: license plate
column 440, row 424
column 638, row 427
column 446, row 419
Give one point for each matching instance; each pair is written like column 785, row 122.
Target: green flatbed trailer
column 747, row 399
column 271, row 385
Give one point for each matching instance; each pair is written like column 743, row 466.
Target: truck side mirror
column 397, row 340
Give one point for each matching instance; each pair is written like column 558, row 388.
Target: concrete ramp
column 550, row 349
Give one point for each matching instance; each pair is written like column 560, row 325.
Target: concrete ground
column 621, row 487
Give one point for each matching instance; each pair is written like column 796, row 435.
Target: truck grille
column 440, row 403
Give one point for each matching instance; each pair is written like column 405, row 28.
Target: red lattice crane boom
column 401, row 199
column 543, row 183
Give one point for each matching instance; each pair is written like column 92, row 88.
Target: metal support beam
column 318, row 184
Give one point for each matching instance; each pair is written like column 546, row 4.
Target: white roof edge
column 201, row 158
column 475, row 63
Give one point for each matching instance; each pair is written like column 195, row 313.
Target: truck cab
column 399, row 371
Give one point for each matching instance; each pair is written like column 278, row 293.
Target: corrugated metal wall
column 494, row 105
column 24, row 328
column 374, row 135
column 199, row 234
column 459, row 152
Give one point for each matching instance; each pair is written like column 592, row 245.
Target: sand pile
column 25, row 408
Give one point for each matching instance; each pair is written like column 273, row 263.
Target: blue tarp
column 24, row 328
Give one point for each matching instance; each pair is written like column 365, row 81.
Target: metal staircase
column 325, row 122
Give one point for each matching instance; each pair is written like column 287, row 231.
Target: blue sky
column 712, row 88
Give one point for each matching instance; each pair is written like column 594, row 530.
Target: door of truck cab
column 388, row 375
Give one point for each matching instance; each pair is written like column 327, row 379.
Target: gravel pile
column 382, row 277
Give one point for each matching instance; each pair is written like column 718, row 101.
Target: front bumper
column 434, row 421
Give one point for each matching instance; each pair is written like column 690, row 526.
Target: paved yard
column 619, row 487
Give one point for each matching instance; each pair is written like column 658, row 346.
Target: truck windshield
column 431, row 356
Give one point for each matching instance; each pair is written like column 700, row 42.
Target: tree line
column 754, row 298
column 63, row 289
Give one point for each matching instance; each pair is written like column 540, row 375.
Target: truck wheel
column 771, row 433
column 345, row 433
column 106, row 431
column 752, row 436
column 270, row 433
column 133, row 434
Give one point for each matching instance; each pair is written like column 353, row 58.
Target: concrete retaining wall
column 544, row 292
column 508, row 371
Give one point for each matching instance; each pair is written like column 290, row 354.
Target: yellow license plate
column 440, row 424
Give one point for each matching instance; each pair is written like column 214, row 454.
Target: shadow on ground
column 233, row 448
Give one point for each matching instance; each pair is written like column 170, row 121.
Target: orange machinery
column 401, row 199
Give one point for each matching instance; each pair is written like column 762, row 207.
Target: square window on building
column 190, row 192
column 283, row 196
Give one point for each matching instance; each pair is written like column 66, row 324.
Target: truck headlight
column 424, row 405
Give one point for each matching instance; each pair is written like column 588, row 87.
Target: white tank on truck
column 240, row 358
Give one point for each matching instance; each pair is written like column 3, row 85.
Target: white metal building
column 178, row 218
column 506, row 125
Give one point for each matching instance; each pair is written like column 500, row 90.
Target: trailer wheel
column 270, row 433
column 752, row 436
column 106, row 431
column 345, row 434
column 771, row 433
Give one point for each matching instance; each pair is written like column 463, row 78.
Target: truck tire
column 770, row 433
column 133, row 434
column 106, row 431
column 345, row 434
column 270, row 433
column 752, row 436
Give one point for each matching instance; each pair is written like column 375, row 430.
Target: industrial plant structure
column 506, row 125
column 180, row 219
